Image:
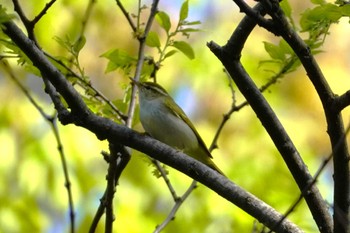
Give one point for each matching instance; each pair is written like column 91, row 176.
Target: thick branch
column 105, row 128
column 229, row 55
column 341, row 102
column 334, row 120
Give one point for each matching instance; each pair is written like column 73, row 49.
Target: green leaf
column 285, row 48
column 326, row 11
column 332, row 12
column 118, row 59
column 79, row 44
column 192, row 22
column 345, row 9
column 4, row 17
column 320, row 17
column 147, row 69
column 318, row 2
column 170, row 53
column 184, row 11
column 286, row 8
column 274, row 51
column 189, row 30
column 152, row 39
column 65, row 43
column 185, row 48
column 164, row 20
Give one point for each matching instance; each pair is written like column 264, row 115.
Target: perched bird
column 165, row 121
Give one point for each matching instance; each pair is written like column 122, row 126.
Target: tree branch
column 53, row 124
column 178, row 203
column 127, row 15
column 229, row 55
column 334, row 119
column 30, row 24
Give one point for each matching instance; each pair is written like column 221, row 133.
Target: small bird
column 165, row 121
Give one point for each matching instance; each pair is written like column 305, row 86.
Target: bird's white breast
column 165, row 126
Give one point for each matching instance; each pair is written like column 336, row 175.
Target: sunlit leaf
column 285, row 47
column 326, row 11
column 79, row 44
column 170, row 53
column 118, row 59
column 287, row 9
column 318, row 2
column 152, row 39
column 147, row 69
column 193, row 23
column 189, row 30
column 185, row 48
column 4, row 17
column 164, row 20
column 345, row 10
column 274, row 51
column 184, row 11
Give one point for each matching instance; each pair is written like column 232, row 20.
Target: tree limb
column 335, row 126
column 229, row 55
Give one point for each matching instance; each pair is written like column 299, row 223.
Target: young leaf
column 345, row 9
column 285, row 48
column 274, row 51
column 184, row 11
column 287, row 9
column 164, row 20
column 192, row 22
column 4, row 17
column 79, row 44
column 152, row 39
column 118, row 59
column 189, row 30
column 318, row 2
column 185, row 48
column 170, row 53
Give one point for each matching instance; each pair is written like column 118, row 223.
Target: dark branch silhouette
column 229, row 55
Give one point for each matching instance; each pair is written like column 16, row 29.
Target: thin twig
column 30, row 24
column 121, row 164
column 65, row 172
column 121, row 116
column 86, row 18
column 127, row 16
column 53, row 123
column 175, row 208
column 42, row 12
column 251, row 12
column 20, row 12
column 166, row 179
column 141, row 57
column 111, row 188
column 235, row 108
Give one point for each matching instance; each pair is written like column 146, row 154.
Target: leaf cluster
column 316, row 22
column 119, row 59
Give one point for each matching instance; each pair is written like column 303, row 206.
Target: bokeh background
column 32, row 193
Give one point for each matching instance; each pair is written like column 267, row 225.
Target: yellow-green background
column 32, row 193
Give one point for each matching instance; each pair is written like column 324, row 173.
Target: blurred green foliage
column 32, row 193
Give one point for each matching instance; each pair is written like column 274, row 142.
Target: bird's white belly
column 166, row 127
